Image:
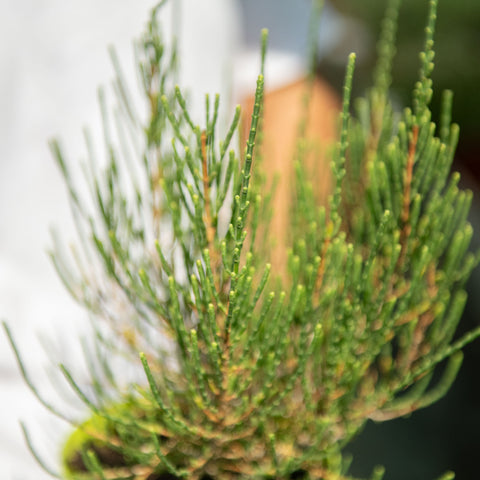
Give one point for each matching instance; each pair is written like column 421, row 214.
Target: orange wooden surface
column 284, row 112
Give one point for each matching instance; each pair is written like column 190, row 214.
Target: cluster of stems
column 247, row 372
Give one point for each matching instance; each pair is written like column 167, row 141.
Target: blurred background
column 53, row 55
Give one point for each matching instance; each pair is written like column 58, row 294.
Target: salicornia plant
column 247, row 372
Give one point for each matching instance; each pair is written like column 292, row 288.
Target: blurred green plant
column 456, row 51
column 251, row 373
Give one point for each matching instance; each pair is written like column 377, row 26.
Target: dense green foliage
column 251, row 373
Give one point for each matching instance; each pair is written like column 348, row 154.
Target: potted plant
column 249, row 371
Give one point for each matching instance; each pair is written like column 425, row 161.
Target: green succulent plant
column 249, row 373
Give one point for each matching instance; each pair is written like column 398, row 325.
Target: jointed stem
column 210, row 229
column 405, row 215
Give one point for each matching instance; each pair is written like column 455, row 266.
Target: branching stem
column 210, row 229
column 405, row 215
